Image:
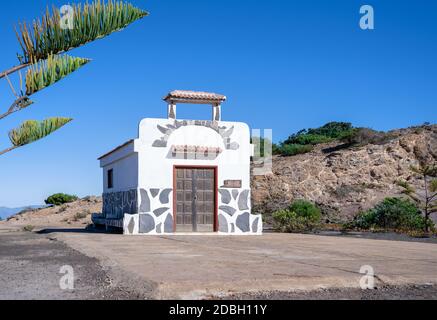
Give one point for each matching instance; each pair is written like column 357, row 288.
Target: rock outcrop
column 346, row 181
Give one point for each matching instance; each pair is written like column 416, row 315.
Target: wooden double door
column 195, row 199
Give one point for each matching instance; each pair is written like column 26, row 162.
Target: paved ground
column 214, row 266
column 274, row 266
column 30, row 267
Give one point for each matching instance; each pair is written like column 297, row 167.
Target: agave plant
column 45, row 73
column 91, row 21
column 426, row 198
column 43, row 41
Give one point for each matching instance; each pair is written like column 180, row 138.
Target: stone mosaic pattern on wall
column 223, row 131
column 131, row 224
column 116, row 204
column 234, row 213
column 155, row 215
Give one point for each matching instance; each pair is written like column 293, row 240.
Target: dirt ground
column 273, row 266
column 30, row 269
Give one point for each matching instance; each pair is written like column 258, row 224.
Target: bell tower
column 195, row 97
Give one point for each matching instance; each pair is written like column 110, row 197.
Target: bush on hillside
column 306, row 210
column 363, row 136
column 309, row 139
column 326, row 133
column 333, row 130
column 293, row 149
column 264, row 145
column 304, row 140
column 394, row 214
column 28, row 228
column 300, row 216
column 60, row 199
column 80, row 216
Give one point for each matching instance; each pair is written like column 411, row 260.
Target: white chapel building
column 181, row 176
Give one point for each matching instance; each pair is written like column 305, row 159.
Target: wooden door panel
column 195, row 201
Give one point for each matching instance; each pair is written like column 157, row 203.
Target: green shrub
column 80, row 215
column 300, row 216
column 60, row 198
column 332, row 130
column 309, row 139
column 306, row 210
column 391, row 214
column 294, row 149
column 276, row 149
column 28, row 228
column 263, row 143
column 288, row 221
column 326, row 133
column 304, row 140
column 363, row 136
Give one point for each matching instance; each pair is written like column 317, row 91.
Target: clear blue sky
column 284, row 65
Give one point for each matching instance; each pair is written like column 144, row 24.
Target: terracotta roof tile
column 194, row 96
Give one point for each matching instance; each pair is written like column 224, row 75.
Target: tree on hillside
column 323, row 134
column 44, row 43
column 426, row 198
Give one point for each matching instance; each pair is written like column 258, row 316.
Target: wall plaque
column 235, row 184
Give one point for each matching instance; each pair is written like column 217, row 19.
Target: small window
column 110, row 179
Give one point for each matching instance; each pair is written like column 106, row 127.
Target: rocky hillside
column 75, row 214
column 345, row 181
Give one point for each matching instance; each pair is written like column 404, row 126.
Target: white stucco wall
column 124, row 163
column 156, row 166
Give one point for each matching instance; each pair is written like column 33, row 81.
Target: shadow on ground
column 79, row 230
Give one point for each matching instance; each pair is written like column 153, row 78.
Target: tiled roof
column 194, row 97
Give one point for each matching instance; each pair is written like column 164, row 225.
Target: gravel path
column 30, row 269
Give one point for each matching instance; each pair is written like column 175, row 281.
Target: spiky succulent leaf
column 45, row 73
column 33, row 130
column 90, row 22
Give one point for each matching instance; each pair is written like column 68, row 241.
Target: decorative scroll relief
column 223, row 131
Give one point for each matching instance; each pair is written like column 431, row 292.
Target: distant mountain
column 7, row 212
